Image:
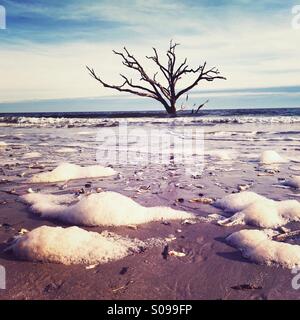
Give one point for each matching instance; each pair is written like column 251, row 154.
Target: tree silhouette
column 167, row 94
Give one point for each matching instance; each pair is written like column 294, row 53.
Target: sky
column 47, row 43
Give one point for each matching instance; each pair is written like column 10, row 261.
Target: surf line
column 120, row 310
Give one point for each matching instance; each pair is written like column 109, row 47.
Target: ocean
column 81, row 137
column 96, row 119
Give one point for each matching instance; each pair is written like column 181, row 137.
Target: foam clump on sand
column 106, row 208
column 73, row 245
column 294, row 182
column 251, row 208
column 39, row 199
column 222, row 154
column 68, row 171
column 271, row 157
column 65, row 150
column 31, row 155
column 238, row 201
column 3, row 144
column 258, row 247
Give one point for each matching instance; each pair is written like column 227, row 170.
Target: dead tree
column 167, row 94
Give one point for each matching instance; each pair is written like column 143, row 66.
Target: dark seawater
column 160, row 114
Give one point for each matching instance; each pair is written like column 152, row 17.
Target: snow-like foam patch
column 106, row 208
column 68, row 171
column 258, row 247
column 73, row 245
column 40, row 198
column 222, row 154
column 271, row 157
column 65, row 150
column 251, row 208
column 84, row 133
column 31, row 155
column 3, row 144
column 238, row 201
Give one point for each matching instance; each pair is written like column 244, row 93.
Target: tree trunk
column 171, row 110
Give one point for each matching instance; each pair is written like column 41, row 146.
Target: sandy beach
column 149, row 155
column 208, row 267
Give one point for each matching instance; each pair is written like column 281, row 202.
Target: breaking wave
column 70, row 122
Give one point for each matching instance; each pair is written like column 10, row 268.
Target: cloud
column 252, row 44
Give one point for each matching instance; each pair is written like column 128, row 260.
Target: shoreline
column 284, row 111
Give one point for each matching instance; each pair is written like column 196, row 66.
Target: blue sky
column 47, row 43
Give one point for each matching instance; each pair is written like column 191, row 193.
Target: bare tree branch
column 167, row 95
column 201, row 106
column 208, row 75
column 120, row 87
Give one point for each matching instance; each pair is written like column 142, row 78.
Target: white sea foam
column 3, row 144
column 68, row 171
column 251, row 208
column 222, row 154
column 73, row 245
column 65, row 150
column 106, row 208
column 258, row 247
column 95, row 122
column 43, row 144
column 271, row 157
column 31, row 155
column 84, row 133
column 238, row 201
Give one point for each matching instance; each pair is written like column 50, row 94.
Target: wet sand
column 211, row 268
